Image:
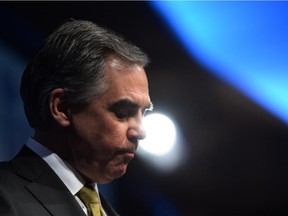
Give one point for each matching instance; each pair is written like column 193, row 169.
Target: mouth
column 127, row 150
column 127, row 154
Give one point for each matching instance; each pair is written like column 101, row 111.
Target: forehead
column 125, row 80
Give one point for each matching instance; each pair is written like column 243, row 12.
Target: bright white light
column 159, row 149
column 161, row 134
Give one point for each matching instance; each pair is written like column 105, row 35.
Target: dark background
column 236, row 152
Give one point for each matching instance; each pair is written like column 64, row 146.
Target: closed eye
column 124, row 113
column 124, row 108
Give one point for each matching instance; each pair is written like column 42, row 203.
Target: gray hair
column 72, row 58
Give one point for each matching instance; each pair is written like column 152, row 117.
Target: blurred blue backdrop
column 245, row 43
column 14, row 128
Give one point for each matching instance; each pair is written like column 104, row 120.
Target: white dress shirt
column 69, row 176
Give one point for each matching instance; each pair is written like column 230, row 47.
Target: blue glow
column 244, row 43
column 11, row 109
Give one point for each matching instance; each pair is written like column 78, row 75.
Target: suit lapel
column 107, row 207
column 45, row 185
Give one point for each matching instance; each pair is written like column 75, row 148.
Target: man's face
column 105, row 134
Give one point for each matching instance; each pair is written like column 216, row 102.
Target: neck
column 55, row 141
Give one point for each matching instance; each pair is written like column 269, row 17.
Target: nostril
column 133, row 140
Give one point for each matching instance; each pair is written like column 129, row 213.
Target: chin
column 107, row 173
column 115, row 174
column 107, row 180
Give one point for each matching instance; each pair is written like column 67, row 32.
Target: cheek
column 107, row 136
column 98, row 138
column 114, row 134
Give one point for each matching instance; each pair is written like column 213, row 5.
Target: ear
column 58, row 106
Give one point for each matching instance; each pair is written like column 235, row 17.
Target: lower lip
column 128, row 155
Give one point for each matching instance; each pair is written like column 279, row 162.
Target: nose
column 136, row 130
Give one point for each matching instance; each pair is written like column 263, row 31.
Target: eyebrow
column 125, row 102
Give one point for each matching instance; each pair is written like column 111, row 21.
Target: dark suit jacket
column 29, row 187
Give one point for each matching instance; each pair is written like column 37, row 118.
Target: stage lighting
column 164, row 148
column 161, row 134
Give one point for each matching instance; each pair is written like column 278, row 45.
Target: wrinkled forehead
column 118, row 62
column 125, row 79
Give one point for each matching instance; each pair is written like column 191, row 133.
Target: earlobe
column 59, row 107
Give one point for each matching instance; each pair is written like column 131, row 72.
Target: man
column 85, row 93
